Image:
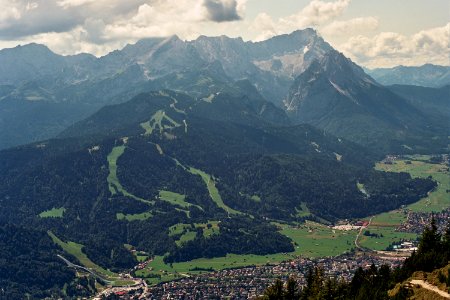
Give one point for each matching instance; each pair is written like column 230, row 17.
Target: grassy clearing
column 76, row 250
column 387, row 235
column 113, row 181
column 317, row 240
column 134, row 217
column 141, row 258
column 176, row 199
column 362, row 189
column 389, row 219
column 210, row 228
column 417, row 166
column 53, row 213
column 156, row 121
column 188, row 236
column 303, row 211
column 256, row 198
column 189, row 231
column 213, row 191
column 147, row 127
column 386, row 223
column 178, row 228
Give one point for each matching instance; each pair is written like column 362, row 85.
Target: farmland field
column 384, row 224
column 311, row 240
column 317, row 240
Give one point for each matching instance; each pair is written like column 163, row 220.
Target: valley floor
column 315, row 244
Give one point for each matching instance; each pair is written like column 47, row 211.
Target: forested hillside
column 144, row 166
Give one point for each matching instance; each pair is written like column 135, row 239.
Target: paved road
column 360, row 232
column 430, row 287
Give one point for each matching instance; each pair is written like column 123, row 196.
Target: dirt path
column 430, row 287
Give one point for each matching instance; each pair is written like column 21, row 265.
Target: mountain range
column 42, row 93
column 427, row 75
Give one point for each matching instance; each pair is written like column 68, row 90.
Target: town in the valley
column 251, row 281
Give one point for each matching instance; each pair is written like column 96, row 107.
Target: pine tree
column 430, row 239
column 446, row 243
column 292, row 290
column 275, row 291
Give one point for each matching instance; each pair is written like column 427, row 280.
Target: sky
column 373, row 33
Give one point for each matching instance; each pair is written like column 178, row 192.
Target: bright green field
column 317, row 240
column 389, row 236
column 321, row 241
column 75, row 250
column 113, row 181
column 437, row 200
column 188, row 236
column 53, row 213
column 134, row 217
column 114, row 184
column 213, row 191
column 178, row 270
column 210, row 228
column 175, row 199
column 156, row 121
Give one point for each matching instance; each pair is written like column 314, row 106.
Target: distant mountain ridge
column 200, row 67
column 427, row 75
column 336, row 95
column 281, row 70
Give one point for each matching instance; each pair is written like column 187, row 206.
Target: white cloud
column 265, row 26
column 389, row 48
column 20, row 19
column 315, row 14
column 104, row 25
column 8, row 13
column 100, row 26
column 352, row 26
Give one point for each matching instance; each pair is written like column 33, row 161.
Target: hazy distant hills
column 435, row 101
column 427, row 75
column 42, row 93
